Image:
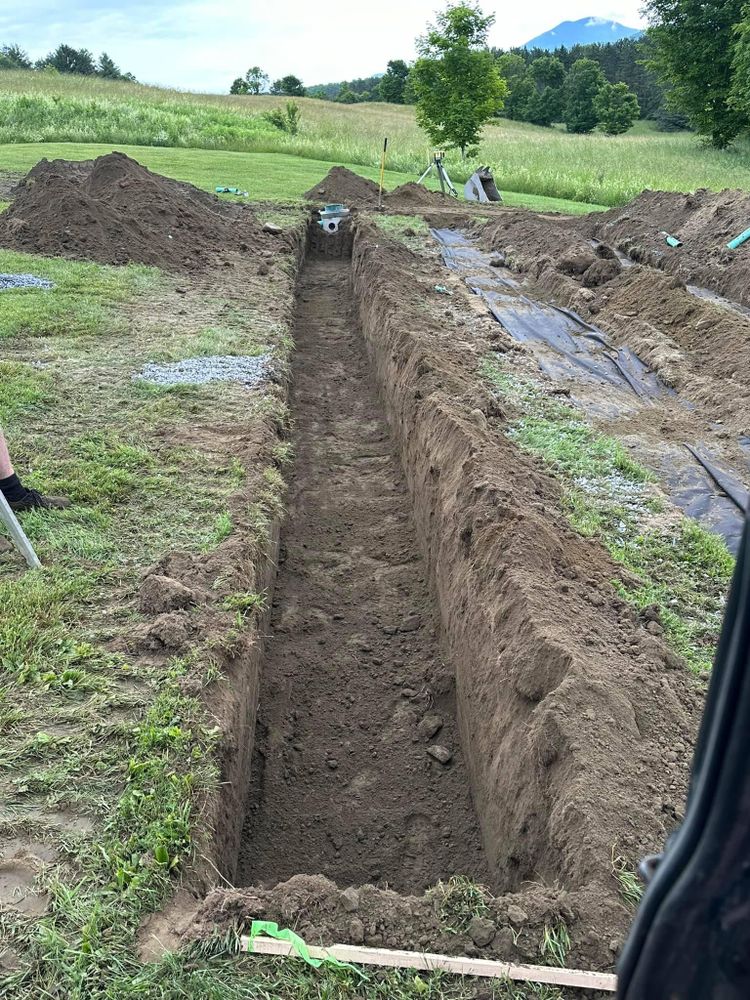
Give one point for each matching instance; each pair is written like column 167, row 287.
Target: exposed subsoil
column 359, row 773
column 697, row 346
column 114, row 211
column 575, row 721
column 705, row 221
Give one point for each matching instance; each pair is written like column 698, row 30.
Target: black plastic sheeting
column 579, row 349
column 567, row 347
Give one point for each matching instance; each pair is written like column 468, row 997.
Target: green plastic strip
column 271, row 929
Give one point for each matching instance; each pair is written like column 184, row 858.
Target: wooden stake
column 428, row 962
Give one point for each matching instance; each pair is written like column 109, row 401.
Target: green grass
column 83, row 301
column 596, row 169
column 461, row 899
column 684, row 570
column 265, row 176
column 111, row 740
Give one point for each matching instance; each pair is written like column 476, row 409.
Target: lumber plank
column 428, row 961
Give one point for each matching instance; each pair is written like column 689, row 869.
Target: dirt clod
column 482, row 931
column 440, row 753
column 430, row 726
column 160, row 594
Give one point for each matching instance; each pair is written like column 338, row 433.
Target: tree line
column 64, row 59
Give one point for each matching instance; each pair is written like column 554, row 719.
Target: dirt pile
column 413, row 195
column 704, row 221
column 344, row 186
column 114, row 211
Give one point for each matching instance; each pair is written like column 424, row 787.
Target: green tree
column 392, row 84
column 14, row 57
column 694, row 45
column 513, row 69
column 66, row 59
column 583, row 83
column 256, row 80
column 739, row 95
column 456, row 81
column 290, row 85
column 107, row 68
column 547, row 71
column 617, row 108
column 239, row 86
column 544, row 106
column 346, row 95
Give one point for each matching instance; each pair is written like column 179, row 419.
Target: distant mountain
column 587, row 31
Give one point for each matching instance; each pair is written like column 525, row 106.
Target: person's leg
column 10, row 484
column 18, row 496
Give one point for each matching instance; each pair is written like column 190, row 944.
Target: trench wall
column 564, row 708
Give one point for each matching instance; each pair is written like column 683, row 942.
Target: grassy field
column 265, row 176
column 596, row 169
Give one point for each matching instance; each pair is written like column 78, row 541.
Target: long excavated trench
column 358, row 771
column 447, row 682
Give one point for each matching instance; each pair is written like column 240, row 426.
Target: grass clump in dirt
column 684, row 570
column 409, row 230
column 461, row 899
column 555, row 944
column 630, row 886
column 81, row 303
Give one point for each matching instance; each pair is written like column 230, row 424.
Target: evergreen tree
column 616, row 107
column 583, row 83
column 14, row 57
column 107, row 68
column 739, row 95
column 66, row 59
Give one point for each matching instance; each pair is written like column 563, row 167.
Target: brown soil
column 413, row 195
column 344, row 186
column 705, row 221
column 697, row 346
column 355, row 698
column 574, row 722
column 114, row 211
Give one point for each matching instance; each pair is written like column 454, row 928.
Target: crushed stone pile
column 8, row 281
column 344, row 186
column 215, row 368
column 114, row 211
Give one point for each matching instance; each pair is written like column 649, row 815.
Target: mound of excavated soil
column 342, row 185
column 114, row 211
column 705, row 221
column 413, row 195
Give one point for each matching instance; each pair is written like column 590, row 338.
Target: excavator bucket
column 481, row 186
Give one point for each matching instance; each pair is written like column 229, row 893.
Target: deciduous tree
column 289, row 85
column 456, row 81
column 583, row 83
column 392, row 84
column 694, row 45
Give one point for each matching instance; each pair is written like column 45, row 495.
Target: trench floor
column 343, row 781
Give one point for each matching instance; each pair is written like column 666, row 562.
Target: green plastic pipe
column 739, row 240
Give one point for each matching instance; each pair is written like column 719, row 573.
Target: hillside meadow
column 592, row 169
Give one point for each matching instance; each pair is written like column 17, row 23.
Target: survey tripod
column 436, row 164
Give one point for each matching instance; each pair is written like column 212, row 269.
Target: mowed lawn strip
column 265, row 176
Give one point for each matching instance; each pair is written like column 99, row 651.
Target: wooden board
column 427, row 962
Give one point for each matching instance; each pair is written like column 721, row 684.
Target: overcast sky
column 202, row 46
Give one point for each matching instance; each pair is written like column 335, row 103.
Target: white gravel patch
column 199, row 371
column 8, row 281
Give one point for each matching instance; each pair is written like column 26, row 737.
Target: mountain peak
column 585, row 31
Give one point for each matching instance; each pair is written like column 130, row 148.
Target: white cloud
column 198, row 45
